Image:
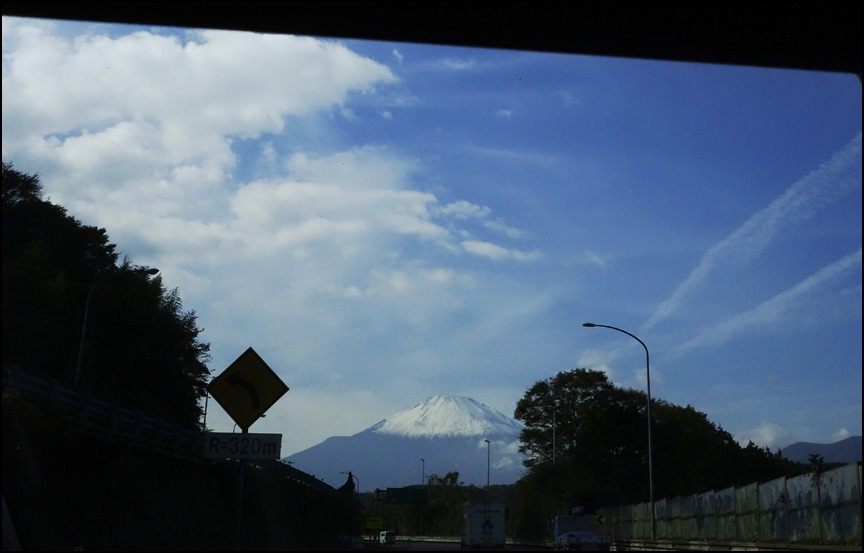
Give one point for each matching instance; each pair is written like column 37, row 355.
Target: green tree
column 48, row 260
column 141, row 348
column 599, row 435
column 446, row 497
column 18, row 187
column 691, row 453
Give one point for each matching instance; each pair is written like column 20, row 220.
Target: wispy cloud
column 594, row 259
column 773, row 310
column 453, row 64
column 831, row 180
column 498, row 253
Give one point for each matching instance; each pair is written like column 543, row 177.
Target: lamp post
column 149, row 272
column 422, row 483
column 487, row 465
column 650, row 451
column 486, row 535
column 352, row 475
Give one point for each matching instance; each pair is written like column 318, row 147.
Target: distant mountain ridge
column 446, row 434
column 440, row 435
column 845, row 451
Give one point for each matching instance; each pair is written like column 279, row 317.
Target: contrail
column 771, row 310
column 832, row 179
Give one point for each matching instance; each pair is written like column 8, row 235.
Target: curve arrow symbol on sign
column 239, row 382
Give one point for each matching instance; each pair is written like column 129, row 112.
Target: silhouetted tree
column 817, row 466
column 599, row 435
column 141, row 349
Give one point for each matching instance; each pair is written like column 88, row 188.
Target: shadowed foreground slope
column 67, row 488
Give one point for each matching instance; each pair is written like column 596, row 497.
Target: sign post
column 246, row 389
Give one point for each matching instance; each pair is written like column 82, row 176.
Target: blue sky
column 384, row 222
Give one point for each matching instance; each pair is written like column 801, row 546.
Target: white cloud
column 841, row 434
column 774, row 310
column 595, row 259
column 597, row 360
column 138, row 107
column 496, row 252
column 453, row 64
column 465, row 210
column 766, row 434
column 831, row 180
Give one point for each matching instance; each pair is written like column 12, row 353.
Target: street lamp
column 487, row 465
column 650, row 451
column 149, row 272
column 422, row 483
column 352, row 475
column 486, row 535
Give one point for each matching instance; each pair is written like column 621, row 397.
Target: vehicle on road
column 582, row 540
column 387, row 537
column 483, row 525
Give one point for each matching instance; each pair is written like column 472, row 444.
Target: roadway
column 431, row 544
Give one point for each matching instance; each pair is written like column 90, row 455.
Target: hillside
column 844, row 451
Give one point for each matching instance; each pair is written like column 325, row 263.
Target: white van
column 387, row 536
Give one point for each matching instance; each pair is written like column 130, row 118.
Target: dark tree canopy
column 141, row 348
column 600, row 445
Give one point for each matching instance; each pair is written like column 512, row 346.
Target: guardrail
column 103, row 416
column 109, row 419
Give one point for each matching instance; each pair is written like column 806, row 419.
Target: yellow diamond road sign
column 247, row 388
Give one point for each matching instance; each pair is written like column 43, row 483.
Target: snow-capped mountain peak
column 441, row 435
column 448, row 416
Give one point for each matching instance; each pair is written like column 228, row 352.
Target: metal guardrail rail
column 103, row 416
column 699, row 545
column 108, row 419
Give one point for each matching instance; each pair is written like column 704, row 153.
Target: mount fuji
column 442, row 434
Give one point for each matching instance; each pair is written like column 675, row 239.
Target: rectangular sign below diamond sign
column 226, row 445
column 247, row 388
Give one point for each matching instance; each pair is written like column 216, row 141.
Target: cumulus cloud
column 148, row 134
column 153, row 117
column 142, row 105
column 597, row 360
column 766, row 434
